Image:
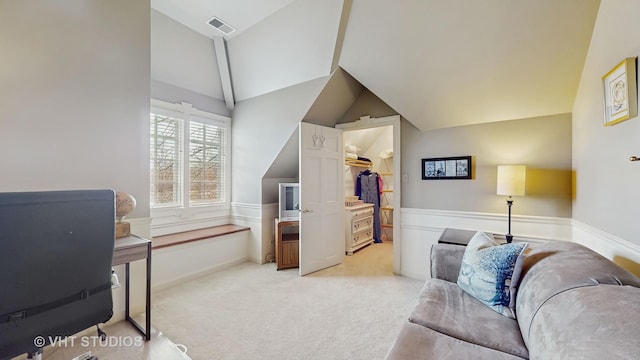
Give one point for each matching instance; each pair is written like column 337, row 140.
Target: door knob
column 305, row 210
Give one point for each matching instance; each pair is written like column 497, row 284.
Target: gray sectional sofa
column 571, row 303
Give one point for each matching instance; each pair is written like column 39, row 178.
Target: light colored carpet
column 350, row 311
column 123, row 343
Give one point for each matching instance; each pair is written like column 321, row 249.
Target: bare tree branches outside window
column 204, row 163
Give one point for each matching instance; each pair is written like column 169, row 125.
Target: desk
column 126, row 250
column 287, row 245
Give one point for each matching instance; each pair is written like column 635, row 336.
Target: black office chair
column 56, row 250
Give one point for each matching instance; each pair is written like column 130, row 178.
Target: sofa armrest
column 446, row 260
column 456, row 236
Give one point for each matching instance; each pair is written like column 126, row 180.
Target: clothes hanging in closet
column 368, row 190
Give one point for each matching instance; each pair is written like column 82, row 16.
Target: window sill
column 169, row 240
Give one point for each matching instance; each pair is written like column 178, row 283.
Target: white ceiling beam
column 225, row 75
column 342, row 29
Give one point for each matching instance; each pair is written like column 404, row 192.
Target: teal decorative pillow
column 490, row 272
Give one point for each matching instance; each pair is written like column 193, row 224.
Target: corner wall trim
column 606, row 244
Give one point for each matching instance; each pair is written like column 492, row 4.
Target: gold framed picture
column 620, row 92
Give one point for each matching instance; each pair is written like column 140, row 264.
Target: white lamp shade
column 511, row 180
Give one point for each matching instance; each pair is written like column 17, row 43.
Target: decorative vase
column 125, row 204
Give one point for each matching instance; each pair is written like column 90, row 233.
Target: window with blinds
column 206, row 163
column 166, row 164
column 187, row 161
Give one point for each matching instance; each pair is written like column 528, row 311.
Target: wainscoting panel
column 421, row 228
column 415, row 250
column 250, row 215
column 269, row 214
column 624, row 253
column 176, row 264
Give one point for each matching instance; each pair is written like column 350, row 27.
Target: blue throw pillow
column 490, row 272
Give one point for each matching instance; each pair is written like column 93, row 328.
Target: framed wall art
column 620, row 92
column 446, row 168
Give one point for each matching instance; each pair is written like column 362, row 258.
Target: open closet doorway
column 371, row 172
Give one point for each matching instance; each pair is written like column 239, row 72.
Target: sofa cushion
column 445, row 308
column 594, row 322
column 415, row 342
column 556, row 267
column 445, row 261
column 490, row 272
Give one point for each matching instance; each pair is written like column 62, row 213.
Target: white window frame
column 167, row 219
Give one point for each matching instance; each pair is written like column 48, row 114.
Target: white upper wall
column 183, row 58
column 338, row 95
column 74, row 97
column 607, row 191
column 458, row 62
column 292, row 46
column 261, row 127
column 542, row 144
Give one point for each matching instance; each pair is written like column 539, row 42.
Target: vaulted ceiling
column 439, row 63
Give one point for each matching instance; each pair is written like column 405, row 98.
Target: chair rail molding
column 622, row 252
column 246, row 211
column 525, row 226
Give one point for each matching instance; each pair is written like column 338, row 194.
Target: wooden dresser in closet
column 358, row 227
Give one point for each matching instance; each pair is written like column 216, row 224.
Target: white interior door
column 322, row 241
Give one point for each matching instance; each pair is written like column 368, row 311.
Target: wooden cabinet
column 289, row 253
column 358, row 227
column 287, row 244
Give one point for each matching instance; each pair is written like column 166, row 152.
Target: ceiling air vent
column 221, row 25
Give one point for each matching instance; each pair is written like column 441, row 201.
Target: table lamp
column 511, row 182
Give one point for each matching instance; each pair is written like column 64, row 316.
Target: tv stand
column 287, row 245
